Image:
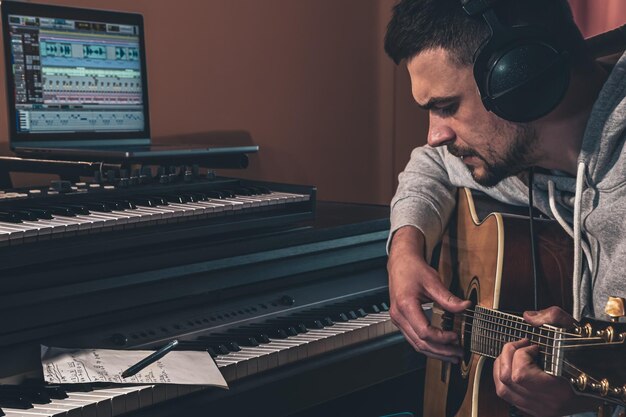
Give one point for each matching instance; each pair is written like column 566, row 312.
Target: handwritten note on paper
column 75, row 366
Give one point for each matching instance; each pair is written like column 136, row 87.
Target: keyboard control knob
column 119, row 339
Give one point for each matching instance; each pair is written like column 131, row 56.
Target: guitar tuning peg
column 584, row 331
column 601, row 387
column 580, row 382
column 615, row 308
column 606, row 334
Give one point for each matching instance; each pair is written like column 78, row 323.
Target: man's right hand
column 413, row 282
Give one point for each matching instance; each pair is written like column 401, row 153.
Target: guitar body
column 488, row 260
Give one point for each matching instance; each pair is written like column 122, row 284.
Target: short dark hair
column 419, row 25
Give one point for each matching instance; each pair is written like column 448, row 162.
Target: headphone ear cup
column 523, row 82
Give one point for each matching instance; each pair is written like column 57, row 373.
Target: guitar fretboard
column 492, row 329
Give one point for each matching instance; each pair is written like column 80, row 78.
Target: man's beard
column 517, row 157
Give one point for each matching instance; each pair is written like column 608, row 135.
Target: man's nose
column 439, row 133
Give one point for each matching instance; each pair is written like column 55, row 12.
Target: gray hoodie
column 590, row 207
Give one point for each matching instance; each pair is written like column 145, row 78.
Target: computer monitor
column 75, row 77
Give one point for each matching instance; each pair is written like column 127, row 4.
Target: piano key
column 102, row 402
column 239, row 368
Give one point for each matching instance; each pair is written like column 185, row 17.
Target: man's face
column 490, row 147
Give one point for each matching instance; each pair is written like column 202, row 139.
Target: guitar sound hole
column 467, row 328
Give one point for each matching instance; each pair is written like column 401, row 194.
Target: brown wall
column 308, row 79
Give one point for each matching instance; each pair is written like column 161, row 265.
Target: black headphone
column 521, row 72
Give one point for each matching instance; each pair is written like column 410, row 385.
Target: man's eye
column 447, row 110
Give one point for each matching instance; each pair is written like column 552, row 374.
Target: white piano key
column 241, row 368
column 252, row 366
column 228, row 370
column 14, row 412
column 226, row 205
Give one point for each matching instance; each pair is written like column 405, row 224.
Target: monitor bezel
column 17, row 138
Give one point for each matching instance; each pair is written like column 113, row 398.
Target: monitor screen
column 74, row 73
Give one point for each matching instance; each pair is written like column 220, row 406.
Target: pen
column 150, row 359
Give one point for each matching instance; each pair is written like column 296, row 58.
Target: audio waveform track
column 91, row 86
column 80, row 120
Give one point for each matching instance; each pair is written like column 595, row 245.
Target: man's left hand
column 520, row 382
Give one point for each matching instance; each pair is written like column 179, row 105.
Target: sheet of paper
column 74, row 366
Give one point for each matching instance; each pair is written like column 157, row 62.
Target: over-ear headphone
column 521, row 72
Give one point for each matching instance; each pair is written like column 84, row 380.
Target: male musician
column 570, row 126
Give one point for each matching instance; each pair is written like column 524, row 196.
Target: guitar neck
column 591, row 356
column 491, row 329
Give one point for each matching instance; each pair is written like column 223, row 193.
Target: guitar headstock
column 594, row 356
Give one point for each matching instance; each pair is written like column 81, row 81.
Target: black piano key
column 178, row 199
column 14, row 400
column 60, row 211
column 215, row 194
column 55, row 392
column 34, row 394
column 126, row 204
column 300, row 325
column 77, row 208
column 373, row 308
column 190, row 197
column 228, row 193
column 26, row 215
column 40, row 212
column 230, row 345
column 199, row 196
column 260, row 336
column 9, row 217
column 159, row 200
column 143, row 201
column 263, row 190
column 242, row 340
column 313, row 321
column 122, row 204
column 78, row 387
column 98, row 206
column 215, row 346
column 242, row 191
column 197, row 346
column 275, row 332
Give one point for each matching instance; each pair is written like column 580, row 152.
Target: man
column 578, row 142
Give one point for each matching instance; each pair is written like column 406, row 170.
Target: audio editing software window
column 76, row 76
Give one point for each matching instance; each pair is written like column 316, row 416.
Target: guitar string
column 577, row 341
column 567, row 366
column 530, row 334
column 488, row 338
column 528, row 328
column 565, row 346
column 548, row 356
column 515, row 319
column 518, row 321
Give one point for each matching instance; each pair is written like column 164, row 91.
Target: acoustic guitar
column 486, row 258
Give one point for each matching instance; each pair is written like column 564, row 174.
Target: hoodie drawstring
column 579, row 245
